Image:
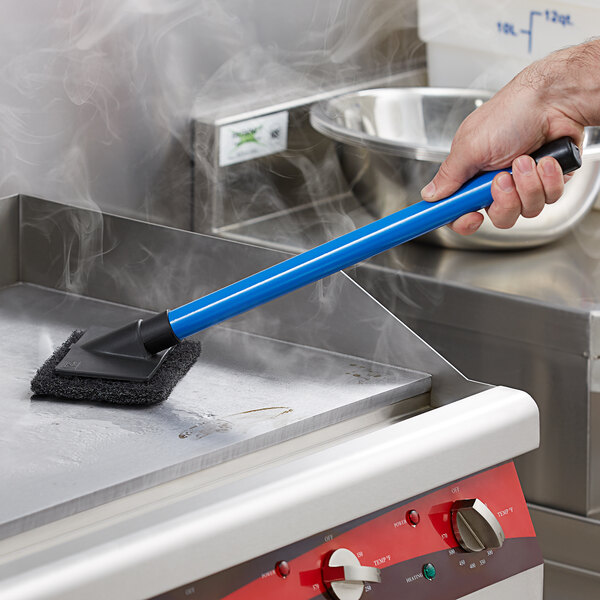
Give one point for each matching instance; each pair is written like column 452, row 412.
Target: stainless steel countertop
column 563, row 274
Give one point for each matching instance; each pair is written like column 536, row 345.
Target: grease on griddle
column 205, row 427
column 209, row 426
column 364, row 376
column 285, row 410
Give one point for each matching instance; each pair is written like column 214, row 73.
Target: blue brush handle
column 349, row 249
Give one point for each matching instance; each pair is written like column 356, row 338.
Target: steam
column 96, row 98
column 97, row 101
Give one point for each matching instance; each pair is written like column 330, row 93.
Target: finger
column 453, row 172
column 552, row 179
column 506, row 207
column 467, row 224
column 529, row 186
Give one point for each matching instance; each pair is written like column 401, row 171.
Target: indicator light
column 283, row 569
column 429, row 571
column 413, row 517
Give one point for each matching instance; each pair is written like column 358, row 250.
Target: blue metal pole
column 333, row 256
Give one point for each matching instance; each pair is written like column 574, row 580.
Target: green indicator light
column 429, row 571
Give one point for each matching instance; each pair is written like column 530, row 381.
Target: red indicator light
column 283, row 569
column 413, row 517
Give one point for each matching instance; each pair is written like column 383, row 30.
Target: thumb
column 453, row 172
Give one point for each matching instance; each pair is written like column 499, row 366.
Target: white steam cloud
column 96, row 97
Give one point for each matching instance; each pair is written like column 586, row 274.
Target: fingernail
column 473, row 227
column 548, row 166
column 428, row 191
column 505, row 182
column 525, row 164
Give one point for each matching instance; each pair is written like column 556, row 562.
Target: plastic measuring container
column 485, row 43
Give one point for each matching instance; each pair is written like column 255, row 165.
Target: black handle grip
column 564, row 150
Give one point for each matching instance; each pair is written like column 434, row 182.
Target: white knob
column 345, row 577
column 475, row 526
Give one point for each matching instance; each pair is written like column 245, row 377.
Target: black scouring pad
column 176, row 364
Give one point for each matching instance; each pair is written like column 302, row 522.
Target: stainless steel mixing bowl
column 393, row 140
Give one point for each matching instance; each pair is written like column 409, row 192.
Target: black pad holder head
column 111, row 354
column 48, row 384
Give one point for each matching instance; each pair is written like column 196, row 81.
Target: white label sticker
column 253, row 138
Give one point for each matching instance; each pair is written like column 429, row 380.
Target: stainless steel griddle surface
column 246, row 392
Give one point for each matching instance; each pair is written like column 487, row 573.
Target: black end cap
column 564, row 150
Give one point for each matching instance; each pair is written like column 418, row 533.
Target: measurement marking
column 555, row 17
column 529, row 32
column 507, row 28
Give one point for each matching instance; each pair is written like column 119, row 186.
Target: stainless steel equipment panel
column 187, row 529
column 407, row 550
column 569, row 544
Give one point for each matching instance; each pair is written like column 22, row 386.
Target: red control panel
column 413, row 550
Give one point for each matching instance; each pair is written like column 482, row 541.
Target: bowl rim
column 324, row 122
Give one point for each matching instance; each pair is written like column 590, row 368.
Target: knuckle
column 447, row 173
column 531, row 193
column 467, row 224
column 553, row 195
column 553, row 185
column 505, row 221
column 528, row 184
column 504, row 214
column 506, row 203
column 532, row 211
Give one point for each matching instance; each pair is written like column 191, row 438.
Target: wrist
column 567, row 81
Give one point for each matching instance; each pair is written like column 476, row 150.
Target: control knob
column 345, row 577
column 475, row 527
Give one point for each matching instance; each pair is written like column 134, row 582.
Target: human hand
column 541, row 104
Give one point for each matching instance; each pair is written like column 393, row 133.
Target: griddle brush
column 141, row 362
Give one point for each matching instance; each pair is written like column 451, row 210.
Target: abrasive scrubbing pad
column 175, row 365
